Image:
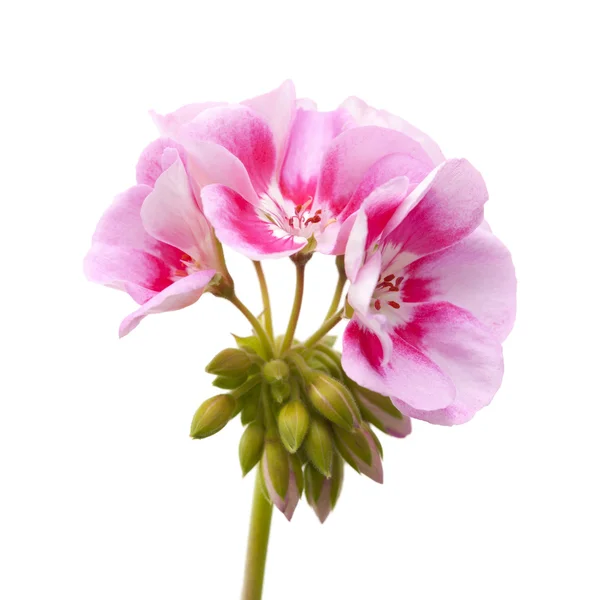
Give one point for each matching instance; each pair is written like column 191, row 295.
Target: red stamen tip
column 378, row 304
column 388, row 278
column 399, row 280
column 393, row 304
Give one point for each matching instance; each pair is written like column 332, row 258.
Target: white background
column 103, row 493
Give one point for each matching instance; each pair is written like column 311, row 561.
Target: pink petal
column 138, row 273
column 150, row 165
column 364, row 114
column 409, row 372
column 123, row 255
column 369, row 222
column 356, row 245
column 238, row 224
column 388, row 168
column 352, row 154
column 180, row 294
column 243, row 133
column 171, row 214
column 467, row 351
column 311, row 135
column 170, row 124
column 441, row 211
column 476, row 274
column 363, row 286
column 277, row 108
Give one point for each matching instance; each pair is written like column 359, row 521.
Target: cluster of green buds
column 304, row 420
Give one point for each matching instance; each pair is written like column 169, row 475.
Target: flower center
column 305, row 222
column 387, row 293
column 187, row 266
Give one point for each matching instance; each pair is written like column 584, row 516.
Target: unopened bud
column 334, row 401
column 249, row 403
column 322, row 493
column 231, row 362
column 251, row 446
column 212, row 416
column 319, row 446
column 276, row 370
column 293, row 422
column 380, row 411
column 281, row 474
column 360, row 450
column 280, row 391
column 295, row 487
column 275, row 469
column 228, row 383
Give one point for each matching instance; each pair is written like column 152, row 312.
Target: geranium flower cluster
column 430, row 290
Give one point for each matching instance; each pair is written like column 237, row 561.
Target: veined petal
column 388, row 168
column 441, row 211
column 150, row 164
column 476, row 274
column 408, row 371
column 240, row 131
column 370, row 221
column 180, row 294
column 352, row 154
column 169, row 125
column 356, row 246
column 467, row 351
column 362, row 288
column 136, row 272
column 238, row 224
column 364, row 114
column 171, row 214
column 311, row 135
column 121, row 225
column 277, row 108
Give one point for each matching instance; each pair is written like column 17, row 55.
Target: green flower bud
column 321, row 493
column 334, row 401
column 280, row 391
column 319, row 446
column 293, row 422
column 251, row 447
column 228, row 383
column 212, row 416
column 360, row 450
column 275, row 469
column 231, row 362
column 276, row 370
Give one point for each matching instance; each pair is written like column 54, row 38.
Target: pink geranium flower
column 433, row 292
column 276, row 174
column 154, row 242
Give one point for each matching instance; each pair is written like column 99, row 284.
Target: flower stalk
column 291, row 329
column 258, row 542
column 264, row 291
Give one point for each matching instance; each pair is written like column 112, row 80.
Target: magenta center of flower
column 387, row 293
column 187, row 266
column 306, row 220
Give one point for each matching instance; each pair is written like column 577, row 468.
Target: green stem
column 255, row 324
column 258, row 542
column 335, row 301
column 324, row 329
column 291, row 329
column 264, row 290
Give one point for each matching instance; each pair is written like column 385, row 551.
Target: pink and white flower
column 276, row 174
column 154, row 242
column 433, row 292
